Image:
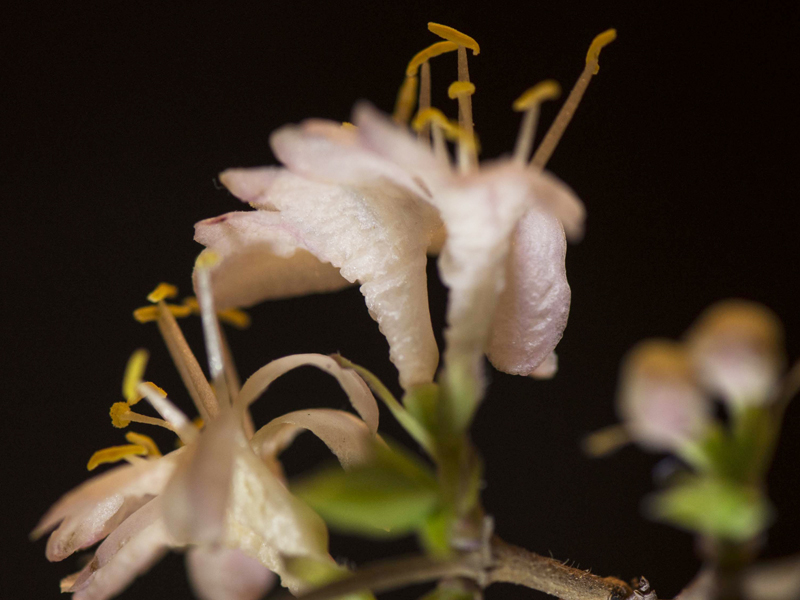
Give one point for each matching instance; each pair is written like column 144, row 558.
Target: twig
column 517, row 565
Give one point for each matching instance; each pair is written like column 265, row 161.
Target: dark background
column 119, row 118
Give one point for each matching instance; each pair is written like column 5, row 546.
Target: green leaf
column 435, row 533
column 317, row 573
column 389, row 498
column 713, row 506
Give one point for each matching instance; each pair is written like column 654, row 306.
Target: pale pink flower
column 222, row 497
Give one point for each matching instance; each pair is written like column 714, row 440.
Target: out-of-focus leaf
column 713, row 506
column 434, row 535
column 391, row 497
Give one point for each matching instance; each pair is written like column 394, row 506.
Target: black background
column 120, row 116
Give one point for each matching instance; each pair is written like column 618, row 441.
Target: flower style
column 221, row 496
column 369, row 201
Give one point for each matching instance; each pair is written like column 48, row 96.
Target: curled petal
column 261, row 260
column 130, row 550
column 533, row 308
column 357, row 391
column 197, row 497
column 227, row 574
column 374, row 235
column 89, row 512
column 554, row 196
column 346, row 435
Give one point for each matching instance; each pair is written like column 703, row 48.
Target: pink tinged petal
column 397, row 145
column 314, row 150
column 346, row 435
column 227, row 574
column 196, row 499
column 376, row 236
column 554, row 196
column 89, row 512
column 267, row 522
column 533, row 308
column 548, row 368
column 357, row 391
column 261, row 260
column 139, row 542
column 658, row 399
column 480, row 214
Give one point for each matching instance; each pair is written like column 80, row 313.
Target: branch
column 517, row 565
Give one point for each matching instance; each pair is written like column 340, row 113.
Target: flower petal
column 376, row 236
column 89, row 512
column 267, row 522
column 321, row 151
column 197, row 496
column 357, row 391
column 227, row 574
column 533, row 308
column 261, row 260
column 345, row 434
column 130, row 550
column 554, row 196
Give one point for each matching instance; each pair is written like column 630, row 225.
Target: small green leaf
column 388, row 498
column 435, row 533
column 713, row 506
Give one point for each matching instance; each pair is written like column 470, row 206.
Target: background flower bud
column 658, row 400
column 737, row 350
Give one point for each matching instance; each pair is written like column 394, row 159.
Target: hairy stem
column 517, row 565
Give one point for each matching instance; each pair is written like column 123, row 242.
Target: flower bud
column 658, row 399
column 737, row 350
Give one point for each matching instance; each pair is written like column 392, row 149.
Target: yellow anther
column 428, row 53
column 147, row 314
column 207, row 259
column 145, row 441
column 234, row 316
column 460, row 88
column 192, row 304
column 544, row 90
column 431, row 115
column 455, row 36
column 198, row 422
column 120, row 414
column 114, row 454
column 162, row 292
column 139, row 396
column 598, row 43
column 349, row 126
column 406, row 100
column 134, row 371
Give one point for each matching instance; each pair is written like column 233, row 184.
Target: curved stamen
column 162, row 292
column 455, row 36
column 529, row 103
column 548, row 145
column 114, row 454
column 406, row 100
column 423, row 56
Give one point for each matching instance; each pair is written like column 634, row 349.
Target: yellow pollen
column 120, row 414
column 139, row 396
column 428, row 53
column 134, row 371
column 207, row 259
column 460, row 88
column 147, row 314
column 349, row 126
column 406, row 100
column 162, row 292
column 544, row 90
column 455, row 36
column 114, row 454
column 236, row 317
column 598, row 43
column 145, row 441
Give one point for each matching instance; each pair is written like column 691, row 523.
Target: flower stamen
column 553, row 136
column 114, row 454
column 162, row 292
column 144, row 441
column 406, row 100
column 122, row 416
column 529, row 103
